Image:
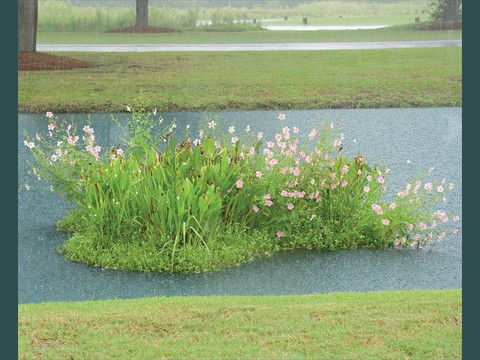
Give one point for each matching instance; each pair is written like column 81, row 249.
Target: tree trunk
column 452, row 11
column 142, row 13
column 27, row 25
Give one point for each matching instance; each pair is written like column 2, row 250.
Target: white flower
column 211, row 124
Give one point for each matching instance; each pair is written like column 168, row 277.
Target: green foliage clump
column 216, row 199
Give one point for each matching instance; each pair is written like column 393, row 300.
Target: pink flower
column 258, row 174
column 366, row 189
column 428, row 186
column 455, row 232
column 281, row 117
column 239, row 184
column 296, row 172
column 268, row 203
column 377, row 208
column 49, row 114
column 410, row 227
column 266, row 196
column 290, row 206
column 296, row 130
column 344, row 169
column 273, row 162
column 312, row 134
column 440, row 188
column 72, row 141
column 30, row 144
column 270, row 144
column 280, row 234
column 333, row 186
column 255, row 208
column 385, row 222
column 381, row 180
column 88, row 129
column 344, row 183
column 393, row 205
column 456, row 218
column 369, row 178
column 51, row 127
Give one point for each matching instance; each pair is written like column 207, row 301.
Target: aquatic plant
column 164, row 201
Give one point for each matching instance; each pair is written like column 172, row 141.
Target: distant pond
column 408, row 141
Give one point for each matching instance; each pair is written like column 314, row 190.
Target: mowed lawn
column 173, row 81
column 378, row 325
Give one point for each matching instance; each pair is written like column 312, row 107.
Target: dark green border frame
column 470, row 160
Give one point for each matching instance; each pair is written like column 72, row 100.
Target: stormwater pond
column 408, row 141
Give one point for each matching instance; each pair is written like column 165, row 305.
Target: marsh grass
column 65, row 16
column 379, row 325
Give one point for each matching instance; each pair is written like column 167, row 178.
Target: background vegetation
column 74, row 15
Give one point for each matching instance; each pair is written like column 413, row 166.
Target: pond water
column 408, row 141
column 321, row 27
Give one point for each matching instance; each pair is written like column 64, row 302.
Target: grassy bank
column 249, row 80
column 396, row 33
column 378, row 325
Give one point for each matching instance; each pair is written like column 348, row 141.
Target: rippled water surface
column 406, row 140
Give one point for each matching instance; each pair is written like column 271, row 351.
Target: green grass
column 395, row 33
column 379, row 325
column 352, row 19
column 174, row 81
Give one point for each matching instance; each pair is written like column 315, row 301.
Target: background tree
column 27, row 25
column 142, row 13
column 446, row 10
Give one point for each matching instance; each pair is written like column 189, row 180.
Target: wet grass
column 175, row 81
column 395, row 33
column 378, row 325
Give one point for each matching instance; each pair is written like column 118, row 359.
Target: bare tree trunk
column 142, row 13
column 27, row 25
column 452, row 11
